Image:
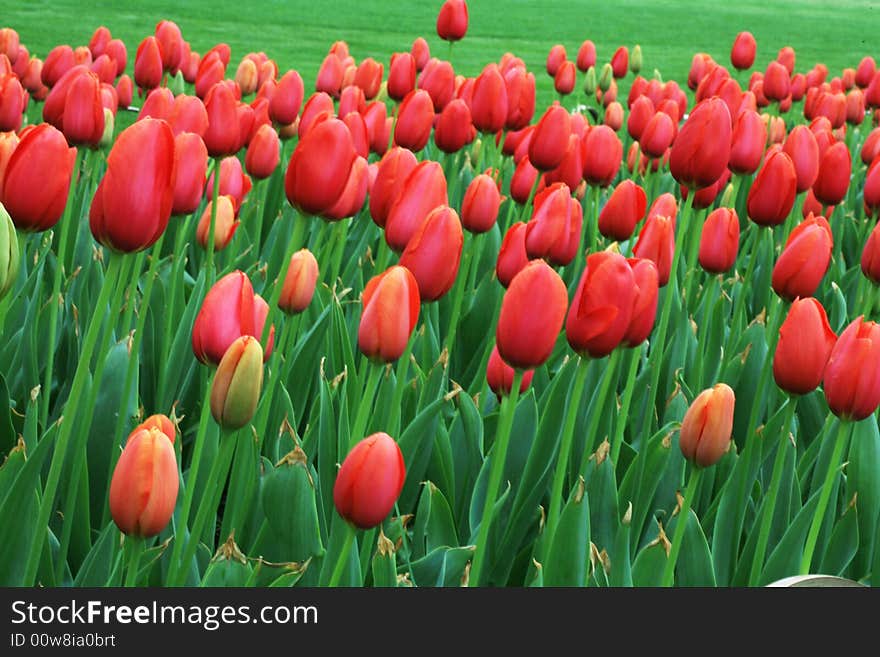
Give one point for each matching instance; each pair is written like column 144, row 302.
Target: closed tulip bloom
column 520, row 98
column 423, row 190
column 454, row 129
column 433, row 253
column 656, row 242
column 614, row 116
column 832, row 181
column 415, row 118
column 872, row 187
column 170, row 44
column 158, row 104
column 132, row 204
column 369, row 481
column 772, row 194
column 230, row 310
column 320, row 167
column 36, row 178
column 801, row 147
column 12, row 103
column 571, row 170
column 285, row 103
column 263, row 153
column 10, row 44
column 805, row 344
column 420, row 52
column 870, row 147
column 369, row 77
column 57, row 63
column 223, row 133
column 747, row 143
column 602, row 306
column 855, row 107
column 550, row 139
column 522, row 181
column 158, row 421
column 319, row 107
column 707, row 426
column 512, row 256
column 299, row 284
column 375, row 121
column 603, row 154
column 499, row 376
column 644, row 311
column 640, row 113
column 719, row 241
column 187, row 114
column 554, row 232
column 586, row 56
column 852, row 378
column 742, row 54
column 8, row 143
column 804, row 260
column 452, row 20
column 390, row 312
column 246, row 76
column 870, row 261
column 480, row 205
column 532, row 311
column 211, row 71
column 124, row 91
column 565, row 78
column 190, row 64
column 225, row 223
column 190, row 165
column 353, row 195
column 235, row 389
column 865, row 71
column 438, row 79
column 148, row 64
column 233, row 181
column 657, row 135
column 555, row 57
column 623, row 210
column 706, row 196
column 777, row 82
column 620, row 62
column 144, row 486
column 702, row 147
column 489, row 103
column 394, row 168
column 352, row 99
column 401, row 75
column 330, row 74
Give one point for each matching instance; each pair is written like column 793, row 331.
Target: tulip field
column 456, row 307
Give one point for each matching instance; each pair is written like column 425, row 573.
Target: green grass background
column 297, row 34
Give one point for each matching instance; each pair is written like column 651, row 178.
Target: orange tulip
column 299, row 284
column 707, row 425
column 390, row 312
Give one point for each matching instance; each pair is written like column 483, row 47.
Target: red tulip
column 777, row 82
column 230, row 310
column 57, row 63
column 452, row 20
column 369, row 77
column 872, row 186
column 369, row 481
column 438, row 79
column 855, row 107
column 565, row 78
column 707, row 425
column 804, row 260
column 644, row 310
column 614, row 116
column 263, row 153
column 401, row 75
column 603, row 153
column 225, row 223
column 719, row 241
column 415, row 117
column 555, row 57
column 657, row 135
column 12, row 103
column 805, row 344
column 148, row 64
column 124, row 91
column 454, row 129
column 233, row 181
column 8, row 143
column 132, row 204
column 299, row 284
column 801, row 147
column 223, row 133
column 550, row 139
column 747, row 143
column 330, row 74
column 144, row 486
column 702, row 148
column 852, row 378
column 656, row 242
column 772, row 194
column 433, row 253
column 118, row 54
column 554, row 231
column 522, row 181
column 602, row 306
column 394, row 168
column 499, row 376
column 706, row 196
column 571, row 170
column 620, row 62
column 319, row 107
column 520, row 98
column 742, row 54
column 420, row 53
column 532, row 312
column 835, row 167
column 586, row 56
column 640, row 114
column 423, row 190
column 489, row 104
column 391, row 310
column 190, row 165
column 285, row 103
column 871, row 256
column 480, row 205
column 36, row 178
column 623, row 210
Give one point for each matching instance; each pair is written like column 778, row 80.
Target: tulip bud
column 555, row 58
column 489, row 104
column 602, row 306
column 550, row 139
column 702, row 148
column 532, row 312
column 586, row 57
column 522, row 181
column 109, row 127
column 9, row 252
column 452, row 20
column 401, row 75
column 804, row 260
column 415, row 117
column 658, row 134
column 235, row 390
column 390, row 312
column 805, row 344
column 499, row 376
column 433, row 253
column 263, row 153
column 246, row 76
column 143, row 490
column 707, row 425
column 719, row 241
column 771, row 196
column 635, row 60
column 438, row 79
column 852, row 377
column 148, row 64
column 802, row 148
column 656, row 242
column 423, row 190
column 480, row 205
column 590, row 83
column 747, row 143
column 369, row 481
column 565, row 78
column 225, row 223
column 190, row 165
column 223, row 134
column 606, row 77
column 623, row 210
column 742, row 54
column 554, row 231
column 453, row 130
column 394, row 168
column 619, row 62
column 644, row 311
column 512, row 256
column 835, row 167
column 299, row 284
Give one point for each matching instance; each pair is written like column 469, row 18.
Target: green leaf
column 601, row 485
column 228, row 568
column 647, row 569
column 8, row 436
column 434, row 526
column 416, row 444
column 863, row 480
column 384, row 565
column 694, row 564
column 785, row 559
column 442, row 566
column 97, row 567
column 843, row 544
column 569, row 553
column 466, row 440
column 621, row 563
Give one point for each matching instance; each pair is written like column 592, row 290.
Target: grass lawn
column 297, row 34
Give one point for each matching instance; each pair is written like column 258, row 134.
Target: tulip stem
column 393, row 422
column 623, row 414
column 342, row 561
column 55, row 300
column 373, row 375
column 596, row 408
column 461, row 281
column 66, row 429
column 773, row 322
column 752, row 250
column 260, row 202
column 213, row 227
column 683, row 517
column 770, row 496
column 706, row 326
column 571, row 413
column 134, row 545
column 843, row 434
column 499, row 456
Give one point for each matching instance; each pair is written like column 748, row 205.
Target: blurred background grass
column 297, row 34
